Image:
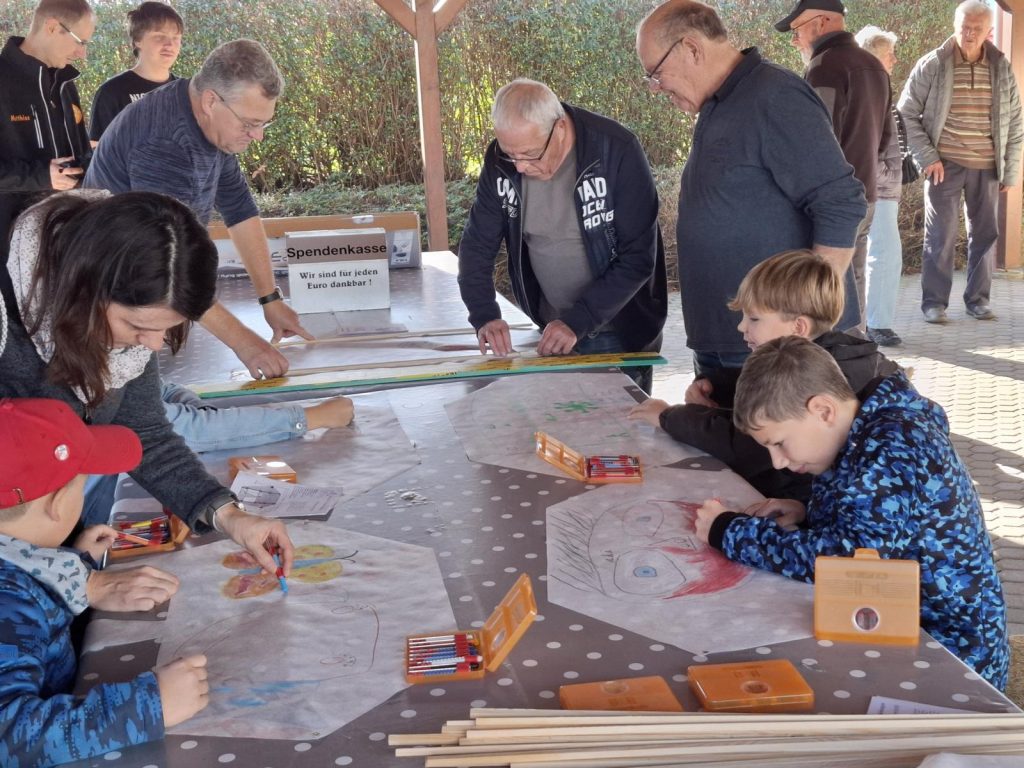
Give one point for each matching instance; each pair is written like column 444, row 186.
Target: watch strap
column 274, row 295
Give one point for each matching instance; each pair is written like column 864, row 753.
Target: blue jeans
column 608, row 342
column 206, row 428
column 885, row 264
column 704, row 361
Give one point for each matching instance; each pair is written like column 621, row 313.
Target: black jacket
column 617, row 213
column 712, row 430
column 40, row 119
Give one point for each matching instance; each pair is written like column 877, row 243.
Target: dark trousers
column 980, row 191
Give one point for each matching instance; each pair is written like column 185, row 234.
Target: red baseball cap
column 44, row 445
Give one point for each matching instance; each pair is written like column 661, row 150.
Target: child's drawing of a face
column 651, row 550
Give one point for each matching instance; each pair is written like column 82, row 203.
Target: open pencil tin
column 470, row 654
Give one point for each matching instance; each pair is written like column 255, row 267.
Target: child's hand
column 133, row 589
column 649, row 410
column 336, row 412
column 706, row 515
column 786, row 513
column 699, row 393
column 96, row 539
column 184, row 689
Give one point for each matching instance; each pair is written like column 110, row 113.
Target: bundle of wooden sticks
column 579, row 739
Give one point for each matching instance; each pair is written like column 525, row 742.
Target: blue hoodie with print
column 897, row 486
column 41, row 722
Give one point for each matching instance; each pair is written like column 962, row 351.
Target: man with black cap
column 854, row 86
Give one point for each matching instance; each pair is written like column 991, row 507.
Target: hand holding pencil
column 96, row 540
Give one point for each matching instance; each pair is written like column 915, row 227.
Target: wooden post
column 425, row 23
column 1010, row 40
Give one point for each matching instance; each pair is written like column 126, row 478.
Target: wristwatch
column 274, row 295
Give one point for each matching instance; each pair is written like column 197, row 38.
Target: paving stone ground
column 975, row 370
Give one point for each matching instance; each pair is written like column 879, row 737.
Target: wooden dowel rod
column 385, row 335
column 727, row 730
column 423, row 739
column 926, row 744
column 529, row 718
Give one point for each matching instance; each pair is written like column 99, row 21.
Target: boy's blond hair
column 794, row 283
column 779, row 379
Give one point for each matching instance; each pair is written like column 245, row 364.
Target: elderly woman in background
column 885, row 251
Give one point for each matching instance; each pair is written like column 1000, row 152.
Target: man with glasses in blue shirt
column 44, row 146
column 764, row 173
column 182, row 140
column 571, row 195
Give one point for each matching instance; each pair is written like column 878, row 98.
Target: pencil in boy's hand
column 280, row 570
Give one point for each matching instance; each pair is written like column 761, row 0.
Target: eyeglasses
column 247, row 125
column 793, row 29
column 76, row 38
column 503, row 155
column 652, row 77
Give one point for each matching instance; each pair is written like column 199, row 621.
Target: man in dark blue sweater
column 182, row 141
column 764, row 174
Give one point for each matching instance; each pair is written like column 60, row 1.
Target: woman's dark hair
column 139, row 249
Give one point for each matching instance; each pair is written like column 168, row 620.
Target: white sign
column 338, row 270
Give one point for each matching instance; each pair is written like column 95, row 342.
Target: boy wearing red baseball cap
column 45, row 454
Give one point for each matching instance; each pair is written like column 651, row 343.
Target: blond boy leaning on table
column 791, row 293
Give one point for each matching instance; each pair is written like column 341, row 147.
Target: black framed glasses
column 247, row 125
column 652, row 78
column 76, row 38
column 503, row 155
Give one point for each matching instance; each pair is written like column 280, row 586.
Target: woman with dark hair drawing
column 96, row 285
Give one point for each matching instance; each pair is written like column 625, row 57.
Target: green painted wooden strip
column 411, row 374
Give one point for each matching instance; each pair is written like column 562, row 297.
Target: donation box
column 338, row 270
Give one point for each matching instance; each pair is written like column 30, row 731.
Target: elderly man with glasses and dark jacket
column 571, row 195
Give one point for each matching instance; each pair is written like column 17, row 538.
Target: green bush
column 347, row 132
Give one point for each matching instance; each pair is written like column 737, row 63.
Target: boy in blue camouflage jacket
column 45, row 454
column 886, row 477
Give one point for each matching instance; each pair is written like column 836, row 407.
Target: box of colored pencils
column 636, row 694
column 757, row 686
column 144, row 527
column 469, row 655
column 273, row 467
column 617, row 468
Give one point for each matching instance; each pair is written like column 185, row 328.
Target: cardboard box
column 337, row 270
column 402, row 232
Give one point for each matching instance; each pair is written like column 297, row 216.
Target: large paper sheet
column 587, row 412
column 629, row 555
column 299, row 666
column 366, row 453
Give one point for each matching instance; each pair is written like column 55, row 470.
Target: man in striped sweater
column 963, row 117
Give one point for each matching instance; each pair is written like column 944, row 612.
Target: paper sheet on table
column 302, row 665
column 950, row 760
column 628, row 555
column 885, row 705
column 276, row 498
column 496, row 424
column 350, row 460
